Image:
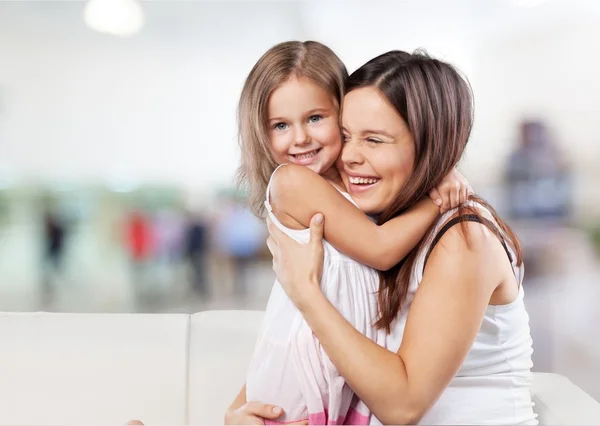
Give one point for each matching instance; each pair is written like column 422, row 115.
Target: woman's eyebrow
column 378, row 132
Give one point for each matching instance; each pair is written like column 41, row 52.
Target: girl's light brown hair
column 308, row 59
column 436, row 103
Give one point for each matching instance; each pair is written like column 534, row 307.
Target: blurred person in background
column 196, row 251
column 139, row 241
column 240, row 236
column 539, row 191
column 169, row 229
column 537, row 177
column 55, row 229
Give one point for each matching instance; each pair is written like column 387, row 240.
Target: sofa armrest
column 559, row 402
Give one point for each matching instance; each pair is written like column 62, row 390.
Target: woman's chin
column 368, row 209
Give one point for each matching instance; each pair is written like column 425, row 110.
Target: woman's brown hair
column 308, row 59
column 436, row 103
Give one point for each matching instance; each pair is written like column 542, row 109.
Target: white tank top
column 492, row 386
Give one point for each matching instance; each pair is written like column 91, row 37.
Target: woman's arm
column 239, row 400
column 299, row 193
column 442, row 323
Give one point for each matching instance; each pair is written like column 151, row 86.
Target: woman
column 459, row 348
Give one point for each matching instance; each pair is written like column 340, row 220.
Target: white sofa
column 164, row 369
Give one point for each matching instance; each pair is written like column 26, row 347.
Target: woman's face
column 378, row 153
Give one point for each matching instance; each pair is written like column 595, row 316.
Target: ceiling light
column 116, row 17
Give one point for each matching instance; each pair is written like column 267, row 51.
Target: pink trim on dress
column 352, row 418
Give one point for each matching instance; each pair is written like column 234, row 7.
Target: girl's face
column 379, row 151
column 303, row 125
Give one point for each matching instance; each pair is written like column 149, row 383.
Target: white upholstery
column 73, row 368
column 221, row 345
column 163, row 369
column 559, row 402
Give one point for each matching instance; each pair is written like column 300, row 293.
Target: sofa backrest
column 163, row 369
column 92, row 368
column 221, row 345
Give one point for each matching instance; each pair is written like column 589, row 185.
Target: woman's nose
column 351, row 153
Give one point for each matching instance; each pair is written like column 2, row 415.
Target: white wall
column 160, row 106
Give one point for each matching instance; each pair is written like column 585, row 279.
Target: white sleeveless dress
column 289, row 368
column 493, row 384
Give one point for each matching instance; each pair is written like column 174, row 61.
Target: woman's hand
column 298, row 266
column 452, row 191
column 255, row 413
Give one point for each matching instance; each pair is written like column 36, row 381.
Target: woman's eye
column 280, row 126
column 345, row 138
column 374, row 140
column 315, row 118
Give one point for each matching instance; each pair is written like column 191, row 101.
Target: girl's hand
column 298, row 266
column 452, row 191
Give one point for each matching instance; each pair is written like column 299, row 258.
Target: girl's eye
column 280, row 126
column 345, row 138
column 315, row 118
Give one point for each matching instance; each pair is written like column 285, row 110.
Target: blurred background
column 118, row 148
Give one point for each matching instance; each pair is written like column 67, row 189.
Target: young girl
column 289, row 115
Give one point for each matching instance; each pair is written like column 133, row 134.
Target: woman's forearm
column 376, row 375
